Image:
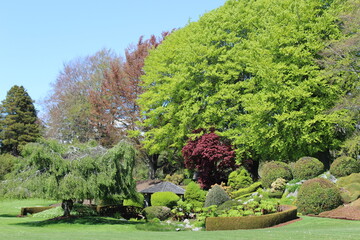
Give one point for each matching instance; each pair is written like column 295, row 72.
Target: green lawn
column 12, row 227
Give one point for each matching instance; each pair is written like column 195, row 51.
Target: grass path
column 12, row 227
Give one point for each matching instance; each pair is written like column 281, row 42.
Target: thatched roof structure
column 164, row 187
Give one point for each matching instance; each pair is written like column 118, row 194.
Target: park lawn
column 12, row 227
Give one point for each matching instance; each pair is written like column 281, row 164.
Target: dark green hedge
column 251, row 222
column 32, row 210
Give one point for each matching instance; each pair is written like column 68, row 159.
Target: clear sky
column 37, row 37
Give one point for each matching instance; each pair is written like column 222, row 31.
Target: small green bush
column 195, row 195
column 135, row 202
column 273, row 170
column 168, row 199
column 175, row 178
column 216, row 196
column 159, row 212
column 318, row 195
column 344, row 166
column 7, row 162
column 240, row 178
column 229, row 205
column 307, row 167
column 278, row 185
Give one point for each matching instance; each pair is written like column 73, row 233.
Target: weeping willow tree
column 72, row 172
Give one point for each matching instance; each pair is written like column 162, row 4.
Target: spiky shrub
column 216, row 196
column 273, row 170
column 240, row 178
column 307, row 168
column 168, row 199
column 194, row 195
column 344, row 166
column 159, row 212
column 318, row 195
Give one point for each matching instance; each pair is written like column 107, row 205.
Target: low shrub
column 159, row 212
column 350, row 187
column 344, row 166
column 307, row 167
column 216, row 196
column 318, row 195
column 195, row 195
column 278, row 185
column 168, row 199
column 229, row 205
column 139, row 202
column 240, row 178
column 273, row 170
column 244, row 191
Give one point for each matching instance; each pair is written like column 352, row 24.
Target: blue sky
column 37, row 37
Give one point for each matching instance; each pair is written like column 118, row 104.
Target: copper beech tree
column 114, row 109
column 210, row 156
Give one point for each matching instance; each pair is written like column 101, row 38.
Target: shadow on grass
column 79, row 220
column 8, row 216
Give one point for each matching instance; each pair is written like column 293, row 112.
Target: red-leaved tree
column 212, row 158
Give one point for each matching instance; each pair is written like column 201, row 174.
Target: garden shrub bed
column 285, row 214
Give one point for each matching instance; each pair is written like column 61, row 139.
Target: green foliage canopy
column 67, row 172
column 18, row 121
column 249, row 69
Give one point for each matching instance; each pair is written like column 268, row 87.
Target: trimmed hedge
column 318, row 195
column 244, row 191
column 33, row 210
column 168, row 199
column 344, row 166
column 159, row 212
column 287, row 213
column 273, row 170
column 307, row 167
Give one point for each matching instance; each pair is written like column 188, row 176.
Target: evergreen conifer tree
column 18, row 121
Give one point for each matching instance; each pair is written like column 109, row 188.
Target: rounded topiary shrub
column 168, row 199
column 216, row 196
column 318, row 195
column 270, row 171
column 159, row 212
column 240, row 178
column 307, row 167
column 344, row 166
column 194, row 194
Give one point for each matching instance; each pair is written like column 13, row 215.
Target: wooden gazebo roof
column 164, row 187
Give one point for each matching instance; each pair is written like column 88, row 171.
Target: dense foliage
column 159, row 212
column 251, row 69
column 167, row 199
column 18, row 121
column 307, row 168
column 7, row 164
column 211, row 157
column 318, row 195
column 66, row 172
column 270, row 171
column 240, row 178
column 216, row 196
column 194, row 195
column 344, row 166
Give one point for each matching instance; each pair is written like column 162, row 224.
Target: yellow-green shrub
column 139, row 202
column 306, row 168
column 273, row 170
column 244, row 191
column 168, row 199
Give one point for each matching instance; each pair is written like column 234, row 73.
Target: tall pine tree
column 18, row 121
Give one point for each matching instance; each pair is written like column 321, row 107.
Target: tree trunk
column 67, row 206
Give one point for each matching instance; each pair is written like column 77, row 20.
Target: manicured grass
column 12, row 228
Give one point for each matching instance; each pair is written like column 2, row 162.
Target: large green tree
column 72, row 172
column 18, row 121
column 250, row 69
